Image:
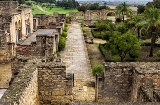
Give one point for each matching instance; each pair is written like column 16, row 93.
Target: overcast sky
column 118, row 0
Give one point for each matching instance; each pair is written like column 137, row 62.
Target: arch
column 110, row 15
column 80, row 15
column 95, row 15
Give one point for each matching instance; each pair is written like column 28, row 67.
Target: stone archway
column 18, row 30
column 110, row 15
column 95, row 15
column 80, row 15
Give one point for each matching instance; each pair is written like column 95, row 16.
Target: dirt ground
column 145, row 52
column 95, row 55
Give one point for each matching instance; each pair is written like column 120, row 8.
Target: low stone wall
column 117, row 83
column 24, row 88
column 54, row 88
column 130, row 82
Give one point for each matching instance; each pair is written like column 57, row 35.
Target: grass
column 38, row 9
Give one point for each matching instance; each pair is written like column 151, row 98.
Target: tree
column 141, row 9
column 155, row 3
column 121, row 27
column 122, row 10
column 82, row 8
column 97, row 70
column 123, row 44
column 101, row 26
column 151, row 21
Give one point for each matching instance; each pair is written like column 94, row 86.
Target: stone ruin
column 130, row 82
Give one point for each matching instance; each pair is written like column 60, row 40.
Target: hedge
column 149, row 44
column 103, row 51
column 62, row 43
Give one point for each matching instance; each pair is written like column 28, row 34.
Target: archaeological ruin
column 36, row 75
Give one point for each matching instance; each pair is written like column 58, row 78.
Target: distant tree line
column 95, row 6
column 154, row 3
column 67, row 4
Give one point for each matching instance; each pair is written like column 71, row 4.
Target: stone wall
column 116, row 84
column 54, row 87
column 130, row 82
column 24, row 88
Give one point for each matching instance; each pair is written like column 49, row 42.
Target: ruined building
column 15, row 24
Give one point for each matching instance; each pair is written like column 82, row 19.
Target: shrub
column 158, row 53
column 93, row 33
column 85, row 35
column 62, row 43
column 97, row 70
column 65, row 29
column 83, row 29
column 143, row 37
column 64, row 34
column 66, row 25
column 68, row 20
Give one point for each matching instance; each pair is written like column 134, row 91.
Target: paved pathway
column 76, row 59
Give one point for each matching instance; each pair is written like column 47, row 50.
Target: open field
column 37, row 9
column 113, row 7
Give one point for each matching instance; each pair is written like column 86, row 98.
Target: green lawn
column 37, row 9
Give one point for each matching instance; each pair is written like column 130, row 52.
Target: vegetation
column 67, row 4
column 124, row 44
column 84, row 30
column 97, row 70
column 151, row 22
column 62, row 43
column 158, row 53
column 95, row 6
column 122, row 10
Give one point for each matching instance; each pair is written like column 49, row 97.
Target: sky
column 118, row 0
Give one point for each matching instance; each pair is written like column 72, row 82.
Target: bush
column 85, row 35
column 64, row 34
column 103, row 51
column 158, row 53
column 97, row 70
column 68, row 20
column 62, row 43
column 83, row 29
column 107, row 35
column 93, row 33
column 65, row 29
column 66, row 25
column 143, row 37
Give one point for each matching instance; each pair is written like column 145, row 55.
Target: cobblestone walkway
column 77, row 61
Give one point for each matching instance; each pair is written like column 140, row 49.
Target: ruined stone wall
column 8, row 5
column 54, row 88
column 25, row 51
column 117, row 83
column 24, row 88
column 130, row 82
column 5, row 47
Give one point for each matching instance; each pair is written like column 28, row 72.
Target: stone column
column 31, row 22
column 23, row 25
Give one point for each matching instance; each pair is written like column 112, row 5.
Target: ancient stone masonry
column 39, row 81
column 24, row 89
column 130, row 82
column 54, row 88
column 87, row 16
column 16, row 23
column 49, row 22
